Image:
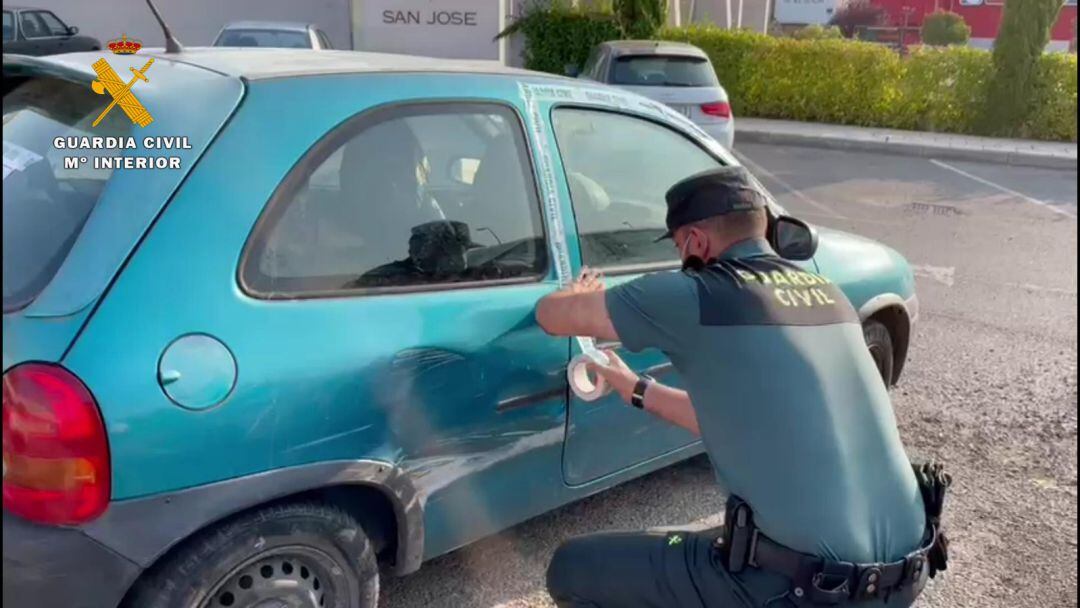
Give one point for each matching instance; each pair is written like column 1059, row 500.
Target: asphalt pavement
column 989, row 388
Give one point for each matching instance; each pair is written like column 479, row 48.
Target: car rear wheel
column 879, row 341
column 299, row 555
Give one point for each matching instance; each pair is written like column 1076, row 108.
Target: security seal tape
column 576, row 371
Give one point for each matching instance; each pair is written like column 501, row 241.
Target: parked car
column 275, row 34
column 262, row 374
column 35, row 31
column 677, row 74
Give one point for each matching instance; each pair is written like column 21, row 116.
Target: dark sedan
column 35, row 31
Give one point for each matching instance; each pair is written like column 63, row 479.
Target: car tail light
column 56, row 454
column 717, row 108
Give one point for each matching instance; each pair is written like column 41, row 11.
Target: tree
column 1021, row 41
column 942, row 28
column 640, row 19
column 854, row 14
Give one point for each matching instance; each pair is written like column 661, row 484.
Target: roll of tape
column 585, row 387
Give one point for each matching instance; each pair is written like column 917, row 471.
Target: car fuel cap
column 197, row 371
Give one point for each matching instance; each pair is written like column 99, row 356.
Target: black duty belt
column 819, row 581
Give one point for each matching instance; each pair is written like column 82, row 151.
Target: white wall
column 455, row 29
column 754, row 13
column 804, row 12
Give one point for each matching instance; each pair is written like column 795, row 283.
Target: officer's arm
column 571, row 312
column 673, row 405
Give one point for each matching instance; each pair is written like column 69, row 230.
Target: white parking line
column 756, row 168
column 1001, row 188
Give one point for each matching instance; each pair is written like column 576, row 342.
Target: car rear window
column 265, row 38
column 663, row 71
column 46, row 205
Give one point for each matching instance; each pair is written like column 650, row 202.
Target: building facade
column 440, row 28
column 983, row 16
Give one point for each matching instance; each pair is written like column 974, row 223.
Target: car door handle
column 537, row 398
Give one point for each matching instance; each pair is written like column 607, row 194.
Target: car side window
column 618, row 168
column 52, row 24
column 407, row 197
column 31, row 25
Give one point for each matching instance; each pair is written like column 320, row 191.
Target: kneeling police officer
column 824, row 507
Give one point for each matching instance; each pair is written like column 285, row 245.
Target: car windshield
column 286, row 39
column 46, row 205
column 663, row 71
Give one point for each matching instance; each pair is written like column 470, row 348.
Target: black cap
column 709, row 194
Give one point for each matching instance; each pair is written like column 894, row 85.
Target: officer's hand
column 588, row 281
column 617, row 374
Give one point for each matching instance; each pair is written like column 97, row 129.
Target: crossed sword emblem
column 121, row 95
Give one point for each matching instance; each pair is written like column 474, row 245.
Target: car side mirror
column 72, row 30
column 571, row 70
column 463, row 170
column 794, row 239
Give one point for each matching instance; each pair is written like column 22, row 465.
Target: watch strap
column 637, row 397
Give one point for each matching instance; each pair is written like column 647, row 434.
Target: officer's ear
column 706, row 243
column 696, row 243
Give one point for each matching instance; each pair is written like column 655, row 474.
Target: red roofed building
column 984, row 17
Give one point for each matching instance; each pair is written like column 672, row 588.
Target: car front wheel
column 299, row 555
column 879, row 341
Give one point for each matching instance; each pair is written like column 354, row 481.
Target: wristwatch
column 637, row 398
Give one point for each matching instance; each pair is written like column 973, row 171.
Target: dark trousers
column 662, row 570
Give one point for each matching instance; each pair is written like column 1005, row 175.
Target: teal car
column 281, row 338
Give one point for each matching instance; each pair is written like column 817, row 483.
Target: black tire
column 320, row 550
column 879, row 341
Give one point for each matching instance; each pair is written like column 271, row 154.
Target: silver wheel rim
column 286, row 577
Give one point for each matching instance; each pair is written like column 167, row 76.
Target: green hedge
column 817, row 32
column 838, row 81
column 558, row 37
column 861, row 83
column 943, row 89
column 1054, row 100
column 831, row 81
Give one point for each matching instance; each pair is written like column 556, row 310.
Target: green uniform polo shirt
column 792, row 410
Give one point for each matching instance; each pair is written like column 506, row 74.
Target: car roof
column 652, row 47
column 270, row 25
column 261, row 63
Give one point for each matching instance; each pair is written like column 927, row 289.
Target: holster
column 739, row 531
column 934, row 484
